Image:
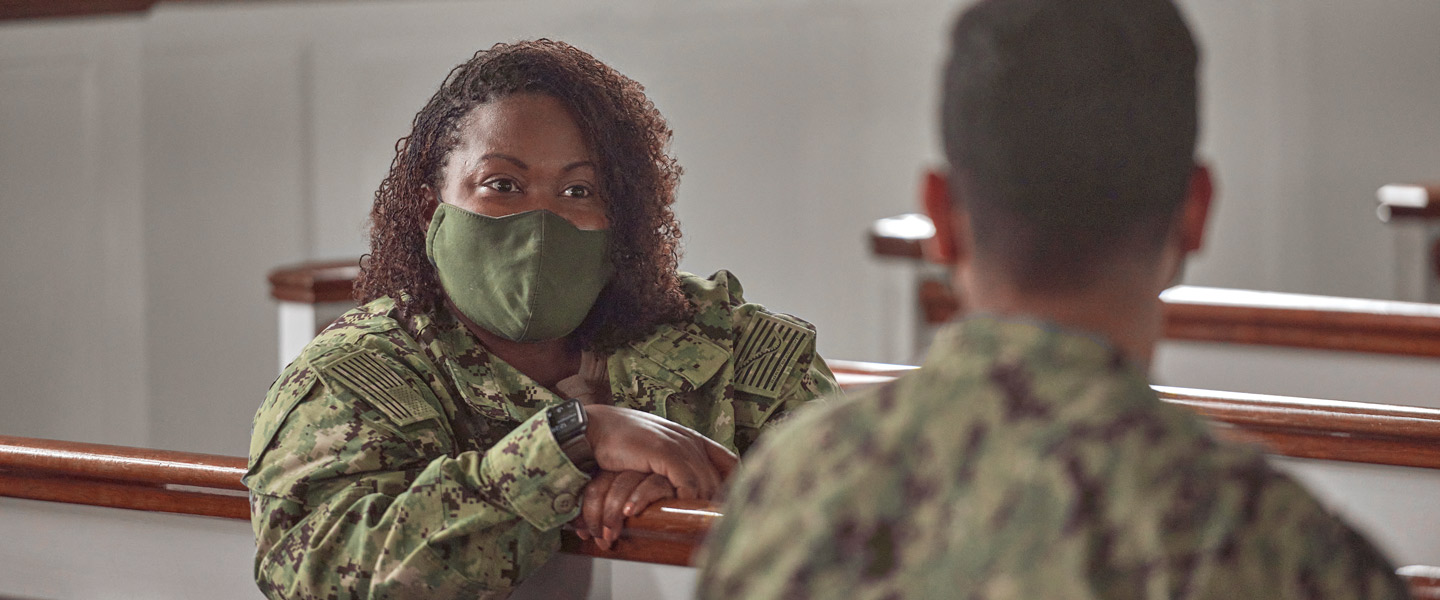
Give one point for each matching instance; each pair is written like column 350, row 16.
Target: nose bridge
column 544, row 199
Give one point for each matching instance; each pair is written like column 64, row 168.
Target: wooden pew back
column 670, row 531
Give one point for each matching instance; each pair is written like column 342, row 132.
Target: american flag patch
column 765, row 352
column 371, row 379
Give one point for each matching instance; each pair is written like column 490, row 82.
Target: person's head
column 537, row 125
column 1070, row 130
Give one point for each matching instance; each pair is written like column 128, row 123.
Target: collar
column 488, row 384
column 1035, row 341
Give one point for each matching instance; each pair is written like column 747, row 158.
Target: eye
column 502, row 185
column 577, row 191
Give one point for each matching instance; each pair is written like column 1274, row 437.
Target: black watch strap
column 568, row 424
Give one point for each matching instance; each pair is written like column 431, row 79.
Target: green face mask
column 526, row 277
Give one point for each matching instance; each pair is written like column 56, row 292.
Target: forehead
column 533, row 127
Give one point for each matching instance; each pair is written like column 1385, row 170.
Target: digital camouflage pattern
column 399, row 460
column 1022, row 462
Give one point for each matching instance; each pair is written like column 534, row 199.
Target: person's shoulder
column 365, row 361
column 722, row 311
column 721, row 291
column 372, row 318
column 374, row 328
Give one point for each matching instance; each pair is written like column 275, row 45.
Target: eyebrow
column 518, row 162
column 525, row 167
column 576, row 165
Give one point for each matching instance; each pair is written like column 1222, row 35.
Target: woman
column 527, row 352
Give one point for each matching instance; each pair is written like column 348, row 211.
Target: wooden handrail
column 315, row 282
column 1192, row 313
column 1240, row 316
column 1424, row 581
column 51, row 9
column 121, row 463
column 1408, row 202
column 670, row 531
column 1302, row 321
column 123, row 477
column 1359, row 432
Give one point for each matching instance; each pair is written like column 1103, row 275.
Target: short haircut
column 1070, row 126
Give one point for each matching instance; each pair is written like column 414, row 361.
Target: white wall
column 72, row 351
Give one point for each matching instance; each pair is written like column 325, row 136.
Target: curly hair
column 630, row 141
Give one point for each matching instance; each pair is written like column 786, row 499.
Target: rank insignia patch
column 370, row 378
column 765, row 352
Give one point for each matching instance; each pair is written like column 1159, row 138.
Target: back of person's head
column 1070, row 130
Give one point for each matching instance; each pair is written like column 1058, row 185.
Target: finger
column 721, row 458
column 653, row 488
column 593, row 504
column 615, row 499
column 687, row 467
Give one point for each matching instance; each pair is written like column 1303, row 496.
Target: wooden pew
column 1223, row 315
column 669, row 532
column 1192, row 313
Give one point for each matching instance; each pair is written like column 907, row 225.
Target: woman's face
column 520, row 153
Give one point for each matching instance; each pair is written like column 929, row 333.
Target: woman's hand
column 612, row 497
column 592, row 384
column 631, row 440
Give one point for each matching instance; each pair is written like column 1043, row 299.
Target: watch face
column 565, row 418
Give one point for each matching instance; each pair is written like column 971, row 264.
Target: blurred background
column 155, row 166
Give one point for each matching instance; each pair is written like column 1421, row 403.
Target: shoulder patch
column 370, row 378
column 765, row 352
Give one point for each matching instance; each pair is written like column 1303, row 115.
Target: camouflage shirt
column 403, row 460
column 1023, row 462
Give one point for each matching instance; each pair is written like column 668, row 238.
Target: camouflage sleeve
column 347, row 505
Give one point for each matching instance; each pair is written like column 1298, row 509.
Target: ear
column 1196, row 211
column 432, row 201
column 945, row 247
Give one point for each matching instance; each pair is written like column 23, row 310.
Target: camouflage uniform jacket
column 1023, row 462
column 406, row 461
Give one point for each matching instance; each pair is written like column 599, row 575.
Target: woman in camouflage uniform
column 527, row 353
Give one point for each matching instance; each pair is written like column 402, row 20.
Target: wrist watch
column 568, row 424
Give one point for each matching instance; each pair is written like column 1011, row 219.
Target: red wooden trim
column 121, row 463
column 1408, row 202
column 1302, row 321
column 1191, row 313
column 1250, row 317
column 1424, row 581
column 901, row 236
column 72, row 490
column 43, row 9
column 51, row 9
column 670, row 531
column 1360, row 432
column 896, row 247
column 315, row 282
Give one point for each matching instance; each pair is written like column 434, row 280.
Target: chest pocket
column 670, row 361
